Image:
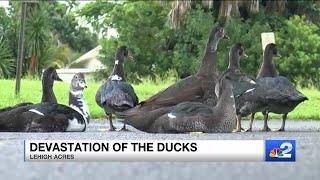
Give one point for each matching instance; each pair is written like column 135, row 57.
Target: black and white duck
column 279, row 93
column 197, row 117
column 48, row 77
column 48, row 116
column 196, row 88
column 115, row 94
column 243, row 85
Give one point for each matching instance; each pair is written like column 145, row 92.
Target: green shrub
column 299, row 44
column 141, row 27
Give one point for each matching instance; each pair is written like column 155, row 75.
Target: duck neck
column 268, row 69
column 118, row 70
column 226, row 101
column 209, row 62
column 78, row 103
column 47, row 91
column 234, row 60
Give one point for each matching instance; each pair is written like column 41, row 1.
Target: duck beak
column 244, row 55
column 226, row 37
column 57, row 78
column 278, row 55
column 130, row 56
column 83, row 84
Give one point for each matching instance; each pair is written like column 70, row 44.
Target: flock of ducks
column 207, row 101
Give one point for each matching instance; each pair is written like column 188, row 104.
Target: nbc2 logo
column 280, row 150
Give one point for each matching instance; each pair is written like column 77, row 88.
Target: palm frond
column 58, row 56
column 7, row 62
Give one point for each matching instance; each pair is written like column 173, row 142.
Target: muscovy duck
column 197, row 117
column 280, row 94
column 47, row 116
column 197, row 88
column 242, row 84
column 115, row 94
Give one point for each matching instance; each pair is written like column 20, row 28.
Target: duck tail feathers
column 299, row 97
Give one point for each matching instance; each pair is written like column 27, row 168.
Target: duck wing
column 55, row 118
column 188, row 89
column 243, row 85
column 183, row 118
column 280, row 89
column 241, row 82
column 117, row 95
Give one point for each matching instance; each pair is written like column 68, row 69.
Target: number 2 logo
column 286, row 148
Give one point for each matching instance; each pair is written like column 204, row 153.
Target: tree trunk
column 278, row 6
column 247, row 8
column 179, row 8
column 228, row 8
column 33, row 66
column 253, row 6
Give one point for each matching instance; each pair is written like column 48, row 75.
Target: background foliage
column 143, row 26
column 52, row 37
column 166, row 38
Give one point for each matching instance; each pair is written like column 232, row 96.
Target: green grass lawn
column 31, row 92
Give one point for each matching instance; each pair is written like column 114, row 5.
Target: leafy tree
column 50, row 28
column 191, row 40
column 7, row 61
column 158, row 48
column 66, row 27
column 141, row 27
column 37, row 36
column 299, row 43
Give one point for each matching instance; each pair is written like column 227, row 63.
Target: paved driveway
column 307, row 134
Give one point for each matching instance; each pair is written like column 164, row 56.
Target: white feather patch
column 116, row 62
column 76, row 93
column 74, row 125
column 170, row 115
column 36, row 111
column 253, row 82
column 116, row 78
column 249, row 90
column 83, row 110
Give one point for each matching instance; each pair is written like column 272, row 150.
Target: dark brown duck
column 280, row 94
column 197, row 88
column 197, row 117
column 243, row 85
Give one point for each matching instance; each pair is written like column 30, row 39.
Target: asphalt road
column 307, row 134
